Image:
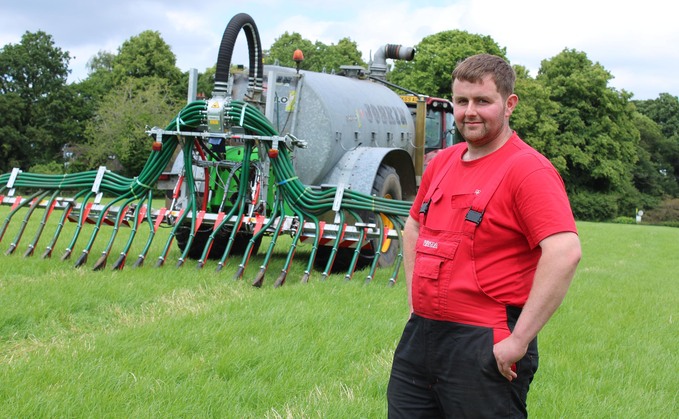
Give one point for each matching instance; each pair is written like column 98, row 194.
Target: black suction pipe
column 238, row 22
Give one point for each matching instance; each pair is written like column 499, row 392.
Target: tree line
column 615, row 154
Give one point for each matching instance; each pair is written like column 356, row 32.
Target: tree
column 36, row 107
column 14, row 149
column 596, row 135
column 148, row 55
column 664, row 147
column 100, row 76
column 664, row 111
column 139, row 86
column 145, row 55
column 283, row 48
column 317, row 56
column 651, row 176
column 435, row 58
column 534, row 118
column 329, row 58
column 117, row 133
column 206, row 81
column 102, row 60
column 34, row 67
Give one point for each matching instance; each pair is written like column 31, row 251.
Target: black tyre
column 387, row 184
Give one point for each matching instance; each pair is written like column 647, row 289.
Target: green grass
column 168, row 342
column 611, row 350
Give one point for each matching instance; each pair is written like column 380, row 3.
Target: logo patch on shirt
column 430, row 244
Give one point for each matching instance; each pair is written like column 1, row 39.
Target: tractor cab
column 439, row 128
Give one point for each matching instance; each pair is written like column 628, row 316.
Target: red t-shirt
column 529, row 205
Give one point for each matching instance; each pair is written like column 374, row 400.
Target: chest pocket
column 434, row 261
column 447, row 211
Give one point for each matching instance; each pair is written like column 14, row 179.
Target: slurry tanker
column 331, row 160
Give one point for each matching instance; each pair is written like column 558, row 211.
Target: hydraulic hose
column 302, row 201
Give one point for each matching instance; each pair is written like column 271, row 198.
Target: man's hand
column 507, row 353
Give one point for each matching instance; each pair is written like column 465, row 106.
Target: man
column 490, row 248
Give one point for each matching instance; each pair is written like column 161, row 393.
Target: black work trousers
column 448, row 370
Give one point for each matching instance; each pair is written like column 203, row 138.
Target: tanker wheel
column 218, row 244
column 387, row 184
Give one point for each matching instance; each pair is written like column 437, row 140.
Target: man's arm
column 411, row 232
column 560, row 257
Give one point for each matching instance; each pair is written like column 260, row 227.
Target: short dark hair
column 476, row 67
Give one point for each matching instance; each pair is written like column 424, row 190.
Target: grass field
column 168, row 342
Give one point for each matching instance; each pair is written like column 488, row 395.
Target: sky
column 636, row 41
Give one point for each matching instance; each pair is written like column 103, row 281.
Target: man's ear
column 511, row 103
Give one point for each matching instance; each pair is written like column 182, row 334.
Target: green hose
column 292, row 196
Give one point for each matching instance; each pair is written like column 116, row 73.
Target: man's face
column 481, row 114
